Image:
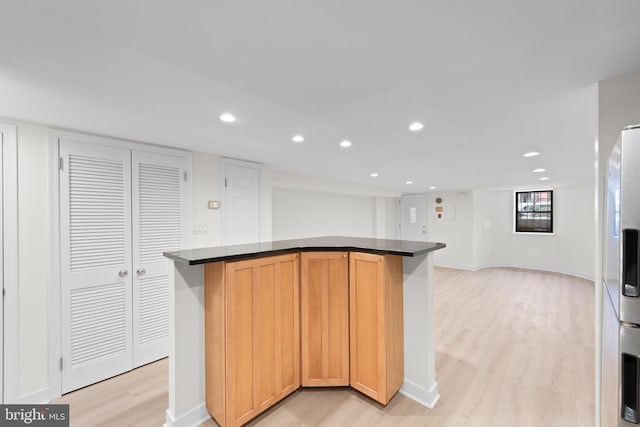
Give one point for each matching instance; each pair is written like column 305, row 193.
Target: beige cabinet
column 376, row 325
column 252, row 347
column 324, row 318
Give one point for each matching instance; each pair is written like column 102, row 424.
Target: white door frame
column 9, row 325
column 55, row 315
column 224, row 161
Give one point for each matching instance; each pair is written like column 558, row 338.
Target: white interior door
column 242, row 200
column 95, row 238
column 158, row 226
column 413, row 217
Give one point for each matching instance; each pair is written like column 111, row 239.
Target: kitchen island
column 250, row 324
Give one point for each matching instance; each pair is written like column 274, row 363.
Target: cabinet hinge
column 225, row 183
column 60, row 163
column 185, row 177
column 61, row 364
column 4, row 292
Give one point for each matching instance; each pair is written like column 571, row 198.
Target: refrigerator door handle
column 630, row 270
column 629, row 385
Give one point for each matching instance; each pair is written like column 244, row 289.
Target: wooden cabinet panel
column 366, row 324
column 324, row 309
column 240, row 343
column 376, row 325
column 215, row 340
column 288, row 306
column 394, row 323
column 264, row 322
column 256, row 362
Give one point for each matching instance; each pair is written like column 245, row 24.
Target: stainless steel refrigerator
column 621, row 285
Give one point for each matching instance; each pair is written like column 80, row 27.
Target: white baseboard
column 533, row 267
column 41, row 396
column 192, row 418
column 425, row 397
column 455, row 266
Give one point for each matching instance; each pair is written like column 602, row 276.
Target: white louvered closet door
column 158, row 226
column 95, row 237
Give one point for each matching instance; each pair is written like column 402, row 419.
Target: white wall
column 310, row 207
column 569, row 250
column 206, row 186
column 469, row 246
column 387, row 218
column 266, row 204
column 299, row 214
column 33, row 255
column 290, row 181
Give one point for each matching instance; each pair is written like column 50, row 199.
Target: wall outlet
column 200, row 229
column 533, row 252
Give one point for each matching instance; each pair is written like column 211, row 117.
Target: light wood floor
column 514, row 348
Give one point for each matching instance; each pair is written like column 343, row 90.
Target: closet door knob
column 141, row 271
column 123, row 273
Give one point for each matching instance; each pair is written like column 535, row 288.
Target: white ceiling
column 489, row 80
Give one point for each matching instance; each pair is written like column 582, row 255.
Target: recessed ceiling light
column 544, row 178
column 373, row 174
column 408, row 182
column 227, row 118
column 432, row 188
column 539, row 170
column 298, row 139
column 345, row 144
column 531, row 154
column 416, row 126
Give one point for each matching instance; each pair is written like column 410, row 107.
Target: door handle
column 630, row 267
column 141, row 271
column 123, row 273
column 629, row 385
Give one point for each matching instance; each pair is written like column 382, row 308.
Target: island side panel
column 186, row 345
column 419, row 345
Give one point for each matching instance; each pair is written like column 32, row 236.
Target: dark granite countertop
column 328, row 243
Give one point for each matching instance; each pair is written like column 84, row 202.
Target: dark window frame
column 522, row 229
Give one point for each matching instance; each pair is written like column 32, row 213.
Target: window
column 534, row 211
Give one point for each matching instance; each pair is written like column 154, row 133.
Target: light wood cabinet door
column 324, row 313
column 258, row 361
column 376, row 325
